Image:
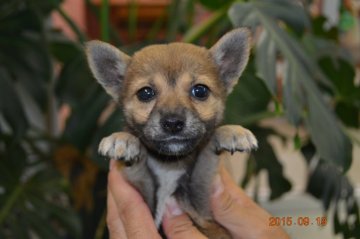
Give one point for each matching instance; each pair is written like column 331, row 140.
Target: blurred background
column 300, row 95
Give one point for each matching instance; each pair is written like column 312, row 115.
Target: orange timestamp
column 298, row 221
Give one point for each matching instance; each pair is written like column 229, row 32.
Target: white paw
column 234, row 138
column 121, row 146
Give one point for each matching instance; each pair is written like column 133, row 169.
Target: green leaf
column 8, row 7
column 330, row 141
column 342, row 74
column 23, row 51
column 19, row 228
column 338, row 228
column 82, row 123
column 63, row 49
column 297, row 141
column 10, row 106
column 319, row 48
column 176, row 12
column 45, row 7
column 37, row 204
column 20, row 21
column 300, row 90
column 250, row 97
column 13, row 163
column 75, row 66
column 265, row 58
column 64, row 216
column 328, row 183
column 320, row 29
column 29, row 64
column 293, row 96
column 266, row 159
column 347, row 20
column 40, row 225
column 74, row 80
column 289, row 11
column 348, row 113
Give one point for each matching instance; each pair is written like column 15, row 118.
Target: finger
column 133, row 211
column 114, row 223
column 177, row 225
column 232, row 188
column 234, row 210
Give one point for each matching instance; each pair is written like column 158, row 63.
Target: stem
column 101, row 226
column 173, row 20
column 104, row 20
column 10, row 202
column 114, row 34
column 133, row 12
column 80, row 35
column 199, row 30
column 155, row 29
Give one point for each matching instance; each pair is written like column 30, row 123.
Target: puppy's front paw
column 121, row 146
column 234, row 138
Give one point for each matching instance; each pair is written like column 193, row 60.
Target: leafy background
column 52, row 182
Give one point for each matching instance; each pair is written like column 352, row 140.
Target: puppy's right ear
column 108, row 65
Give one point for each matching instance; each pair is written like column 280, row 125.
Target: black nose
column 172, row 124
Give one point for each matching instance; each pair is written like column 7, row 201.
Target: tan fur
column 171, row 60
column 173, row 73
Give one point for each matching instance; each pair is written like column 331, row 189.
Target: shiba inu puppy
column 173, row 98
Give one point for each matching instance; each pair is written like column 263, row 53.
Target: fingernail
column 217, row 186
column 173, row 208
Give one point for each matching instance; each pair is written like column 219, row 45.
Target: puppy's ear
column 108, row 65
column 231, row 54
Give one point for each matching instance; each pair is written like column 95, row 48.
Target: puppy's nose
column 172, row 124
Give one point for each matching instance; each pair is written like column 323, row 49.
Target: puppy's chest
column 167, row 182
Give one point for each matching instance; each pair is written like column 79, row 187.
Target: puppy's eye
column 145, row 94
column 200, row 92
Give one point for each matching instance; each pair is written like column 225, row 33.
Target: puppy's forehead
column 172, row 60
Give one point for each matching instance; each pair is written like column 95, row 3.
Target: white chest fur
column 167, row 178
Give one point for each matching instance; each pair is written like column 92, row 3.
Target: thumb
column 178, row 225
column 240, row 215
column 224, row 205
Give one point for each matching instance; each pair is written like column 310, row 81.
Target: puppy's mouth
column 175, row 145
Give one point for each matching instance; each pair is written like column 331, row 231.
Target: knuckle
column 179, row 228
column 134, row 232
column 225, row 205
column 113, row 226
column 126, row 209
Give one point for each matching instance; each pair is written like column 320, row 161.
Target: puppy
column 173, row 98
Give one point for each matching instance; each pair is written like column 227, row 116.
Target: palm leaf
column 302, row 98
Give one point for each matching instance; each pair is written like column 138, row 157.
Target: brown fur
column 165, row 162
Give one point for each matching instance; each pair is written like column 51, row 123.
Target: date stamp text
column 303, row 221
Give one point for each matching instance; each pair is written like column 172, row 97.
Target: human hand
column 129, row 217
column 238, row 213
column 231, row 208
